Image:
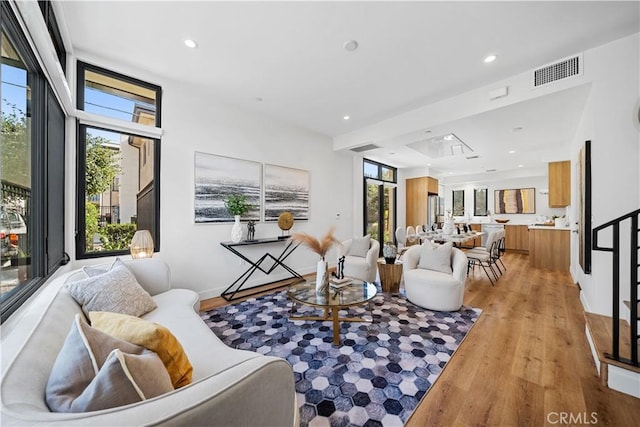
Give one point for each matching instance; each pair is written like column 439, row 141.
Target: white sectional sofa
column 229, row 387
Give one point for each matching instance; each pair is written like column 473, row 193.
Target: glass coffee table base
column 335, row 318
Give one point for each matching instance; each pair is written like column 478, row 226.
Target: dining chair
column 401, row 240
column 412, row 237
column 486, row 257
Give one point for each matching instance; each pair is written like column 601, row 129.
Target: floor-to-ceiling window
column 32, row 170
column 379, row 201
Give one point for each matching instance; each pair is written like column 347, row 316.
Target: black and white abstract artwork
column 285, row 190
column 216, row 178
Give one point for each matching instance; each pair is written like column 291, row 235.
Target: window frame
column 102, row 122
column 453, row 203
column 379, row 177
column 54, row 32
column 475, row 202
column 40, row 224
column 82, row 67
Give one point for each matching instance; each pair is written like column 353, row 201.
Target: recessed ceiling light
column 490, row 58
column 428, row 164
column 346, row 117
column 520, row 166
column 517, row 129
column 190, row 43
column 350, row 45
column 512, row 151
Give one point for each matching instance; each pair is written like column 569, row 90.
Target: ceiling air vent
column 364, row 148
column 491, row 170
column 472, row 157
column 557, row 71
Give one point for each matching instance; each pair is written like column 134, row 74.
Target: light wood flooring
column 525, row 362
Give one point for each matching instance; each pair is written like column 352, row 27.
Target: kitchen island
column 549, row 247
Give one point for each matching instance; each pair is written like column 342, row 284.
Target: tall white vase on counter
column 322, row 276
column 236, row 230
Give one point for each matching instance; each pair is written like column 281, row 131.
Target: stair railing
column 633, row 298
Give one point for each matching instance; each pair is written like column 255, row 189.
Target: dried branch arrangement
column 319, row 246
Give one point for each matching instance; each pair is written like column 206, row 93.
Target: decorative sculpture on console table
column 285, row 222
column 251, row 231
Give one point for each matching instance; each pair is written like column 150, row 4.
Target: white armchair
column 358, row 266
column 432, row 289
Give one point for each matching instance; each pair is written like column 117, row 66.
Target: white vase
column 448, row 227
column 321, row 273
column 236, row 230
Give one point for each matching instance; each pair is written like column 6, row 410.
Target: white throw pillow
column 436, row 257
column 360, row 246
column 116, row 290
column 91, row 271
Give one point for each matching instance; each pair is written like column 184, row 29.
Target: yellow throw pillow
column 150, row 335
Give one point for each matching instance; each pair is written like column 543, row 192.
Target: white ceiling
column 546, row 126
column 291, row 55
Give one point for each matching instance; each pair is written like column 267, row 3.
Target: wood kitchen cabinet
column 516, row 238
column 559, row 184
column 478, row 240
column 549, row 248
column 417, row 190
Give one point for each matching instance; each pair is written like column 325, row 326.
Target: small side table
column 390, row 276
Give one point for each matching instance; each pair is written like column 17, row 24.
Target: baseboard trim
column 624, row 381
column 260, row 281
column 584, row 301
column 594, row 352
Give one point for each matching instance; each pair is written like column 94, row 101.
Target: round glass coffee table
column 355, row 292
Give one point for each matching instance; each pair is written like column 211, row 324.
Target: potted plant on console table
column 237, row 206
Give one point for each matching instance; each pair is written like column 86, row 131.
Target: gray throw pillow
column 436, row 257
column 360, row 246
column 95, row 370
column 116, row 290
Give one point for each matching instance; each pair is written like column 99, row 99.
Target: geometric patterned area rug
column 378, row 373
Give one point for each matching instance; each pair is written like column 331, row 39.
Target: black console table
column 290, row 246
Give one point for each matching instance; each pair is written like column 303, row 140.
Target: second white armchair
column 361, row 256
column 433, row 279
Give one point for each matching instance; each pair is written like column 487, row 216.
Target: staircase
column 616, row 341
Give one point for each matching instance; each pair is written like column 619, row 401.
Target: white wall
column 610, row 121
column 537, row 182
column 194, row 121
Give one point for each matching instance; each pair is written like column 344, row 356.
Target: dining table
column 457, row 239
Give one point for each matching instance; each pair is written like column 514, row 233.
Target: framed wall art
column 583, row 170
column 285, row 190
column 515, row 201
column 216, row 178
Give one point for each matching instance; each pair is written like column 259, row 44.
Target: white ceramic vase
column 321, row 275
column 236, row 230
column 448, row 227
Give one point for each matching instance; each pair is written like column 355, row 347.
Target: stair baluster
column 634, row 338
